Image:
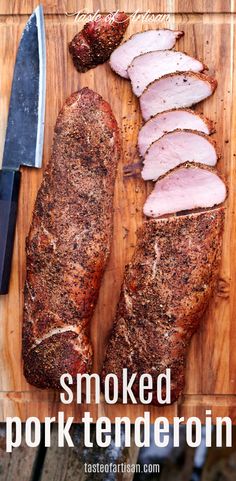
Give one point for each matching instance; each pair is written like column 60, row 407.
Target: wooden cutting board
column 209, row 34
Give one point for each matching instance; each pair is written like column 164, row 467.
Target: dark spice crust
column 95, row 43
column 166, row 290
column 69, row 240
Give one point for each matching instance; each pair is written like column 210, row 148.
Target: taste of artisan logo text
column 137, row 16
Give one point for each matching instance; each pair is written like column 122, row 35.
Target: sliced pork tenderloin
column 171, row 120
column 175, row 90
column 175, row 148
column 186, row 188
column 140, row 43
column 153, row 65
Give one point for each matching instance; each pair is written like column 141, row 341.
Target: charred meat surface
column 166, row 290
column 95, row 43
column 69, row 241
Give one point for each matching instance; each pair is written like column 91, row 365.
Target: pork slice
column 171, row 120
column 186, row 188
column 139, row 43
column 166, row 290
column 175, row 90
column 175, row 148
column 152, row 65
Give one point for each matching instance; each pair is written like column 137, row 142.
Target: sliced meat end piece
column 175, row 90
column 150, row 66
column 168, row 121
column 94, row 44
column 139, row 43
column 186, row 188
column 176, row 148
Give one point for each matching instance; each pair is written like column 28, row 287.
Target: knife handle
column 9, row 191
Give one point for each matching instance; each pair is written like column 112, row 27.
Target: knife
column 24, row 134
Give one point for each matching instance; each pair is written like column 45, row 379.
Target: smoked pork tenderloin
column 187, row 187
column 139, row 43
column 69, row 241
column 94, row 44
column 176, row 148
column 166, row 290
column 171, row 120
column 150, row 66
column 175, row 90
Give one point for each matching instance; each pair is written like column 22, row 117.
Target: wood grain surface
column 67, row 464
column 16, row 465
column 210, row 35
column 62, row 464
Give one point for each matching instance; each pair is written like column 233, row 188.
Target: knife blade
column 25, row 131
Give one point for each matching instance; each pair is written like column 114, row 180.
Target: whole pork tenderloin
column 69, row 241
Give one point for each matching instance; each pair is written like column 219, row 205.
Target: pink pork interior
column 153, row 65
column 175, row 91
column 177, row 148
column 186, row 188
column 167, row 122
column 140, row 43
